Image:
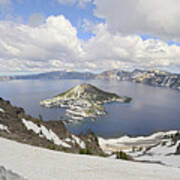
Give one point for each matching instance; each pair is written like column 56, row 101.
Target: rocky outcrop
column 18, row 126
column 178, row 149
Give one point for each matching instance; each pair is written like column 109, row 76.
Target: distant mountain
column 114, row 75
column 58, row 75
column 52, row 75
column 84, row 100
column 150, row 77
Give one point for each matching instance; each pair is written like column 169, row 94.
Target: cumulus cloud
column 126, row 52
column 54, row 45
column 153, row 17
column 55, row 39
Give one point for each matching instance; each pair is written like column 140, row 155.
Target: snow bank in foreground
column 42, row 131
column 36, row 163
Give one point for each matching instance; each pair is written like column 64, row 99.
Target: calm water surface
column 152, row 108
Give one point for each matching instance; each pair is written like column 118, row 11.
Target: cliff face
column 152, row 78
column 18, row 126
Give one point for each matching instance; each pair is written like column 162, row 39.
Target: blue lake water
column 151, row 110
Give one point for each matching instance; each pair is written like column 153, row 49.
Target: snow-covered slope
column 126, row 142
column 36, row 163
column 161, row 147
column 164, row 152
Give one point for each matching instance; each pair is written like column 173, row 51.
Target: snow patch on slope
column 79, row 141
column 42, row 131
column 164, row 153
column 127, row 139
column 2, row 110
column 158, row 147
column 126, row 142
column 4, row 128
column 31, row 126
column 169, row 148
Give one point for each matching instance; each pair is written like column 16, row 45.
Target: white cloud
column 54, row 45
column 110, row 50
column 154, row 17
column 55, row 39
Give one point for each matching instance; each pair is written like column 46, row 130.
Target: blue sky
column 40, row 35
column 74, row 13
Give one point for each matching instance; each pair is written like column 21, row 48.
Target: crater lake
column 152, row 108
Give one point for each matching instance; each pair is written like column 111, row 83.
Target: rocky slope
column 84, row 101
column 18, row 126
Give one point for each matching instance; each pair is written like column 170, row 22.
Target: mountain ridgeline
column 83, row 101
column 152, row 77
